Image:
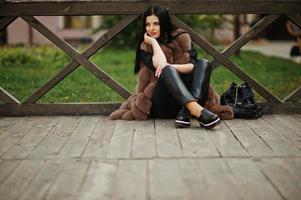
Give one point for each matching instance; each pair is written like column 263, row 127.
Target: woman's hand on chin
column 149, row 40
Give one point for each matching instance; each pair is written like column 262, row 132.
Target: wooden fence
column 10, row 10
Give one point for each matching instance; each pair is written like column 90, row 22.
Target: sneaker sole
column 182, row 124
column 212, row 124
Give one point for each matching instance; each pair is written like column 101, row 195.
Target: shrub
column 31, row 56
column 17, row 57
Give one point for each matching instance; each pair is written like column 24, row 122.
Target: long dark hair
column 166, row 28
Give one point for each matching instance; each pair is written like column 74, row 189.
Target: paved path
column 272, row 48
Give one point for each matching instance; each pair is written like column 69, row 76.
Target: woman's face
column 152, row 26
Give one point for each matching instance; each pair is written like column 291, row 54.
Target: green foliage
column 24, row 69
column 22, row 77
column 19, row 56
column 30, row 57
column 202, row 22
column 128, row 37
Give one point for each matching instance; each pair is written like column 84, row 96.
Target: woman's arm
column 183, row 68
column 159, row 58
column 160, row 61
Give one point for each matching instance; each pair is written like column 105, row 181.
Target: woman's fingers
column 147, row 39
column 159, row 69
column 158, row 72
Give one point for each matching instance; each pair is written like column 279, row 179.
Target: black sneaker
column 208, row 119
column 183, row 118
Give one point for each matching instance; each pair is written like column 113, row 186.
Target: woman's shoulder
column 179, row 32
column 182, row 37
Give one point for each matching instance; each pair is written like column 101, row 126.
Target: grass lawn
column 24, row 70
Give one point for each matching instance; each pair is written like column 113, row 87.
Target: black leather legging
column 174, row 90
column 201, row 80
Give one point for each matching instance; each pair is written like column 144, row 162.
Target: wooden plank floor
column 91, row 157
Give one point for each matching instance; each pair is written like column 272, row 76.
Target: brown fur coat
column 138, row 105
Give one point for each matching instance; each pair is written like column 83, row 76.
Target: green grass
column 23, row 70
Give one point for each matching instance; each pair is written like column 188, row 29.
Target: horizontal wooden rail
column 117, row 7
column 12, row 9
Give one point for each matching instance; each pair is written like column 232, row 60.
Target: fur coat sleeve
column 138, row 105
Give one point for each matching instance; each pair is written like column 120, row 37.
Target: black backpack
column 242, row 99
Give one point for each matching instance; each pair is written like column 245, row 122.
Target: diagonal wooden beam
column 5, row 21
column 296, row 19
column 89, row 65
column 103, row 40
column 7, row 97
column 245, row 38
column 294, row 96
column 202, row 42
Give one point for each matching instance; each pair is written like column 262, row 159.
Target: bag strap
column 236, row 96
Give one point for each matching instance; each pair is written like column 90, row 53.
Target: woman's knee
column 203, row 66
column 169, row 71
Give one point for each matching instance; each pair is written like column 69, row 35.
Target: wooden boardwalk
column 91, row 157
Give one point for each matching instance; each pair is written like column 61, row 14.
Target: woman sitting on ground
column 172, row 82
